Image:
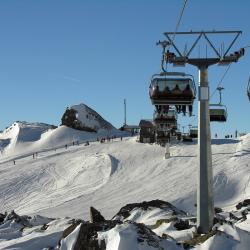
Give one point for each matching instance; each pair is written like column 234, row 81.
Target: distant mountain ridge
column 80, row 124
column 84, row 118
column 22, row 131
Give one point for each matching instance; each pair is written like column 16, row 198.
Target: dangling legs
column 184, row 109
column 190, row 110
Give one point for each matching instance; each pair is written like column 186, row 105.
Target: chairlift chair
column 162, row 137
column 218, row 113
column 193, row 132
column 168, row 89
column 178, row 135
column 186, row 138
column 168, row 117
column 174, row 127
column 163, row 126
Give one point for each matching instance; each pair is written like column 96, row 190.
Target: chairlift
column 186, row 138
column 218, row 112
column 193, row 132
column 162, row 136
column 178, row 135
column 172, row 88
column 165, row 115
column 248, row 89
column 163, row 126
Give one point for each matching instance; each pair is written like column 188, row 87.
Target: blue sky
column 54, row 54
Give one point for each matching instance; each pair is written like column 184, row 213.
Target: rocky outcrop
column 88, row 237
column 91, row 235
column 95, row 216
column 146, row 236
column 82, row 117
column 69, row 119
column 73, row 224
column 126, row 210
column 2, row 217
column 244, row 203
column 22, row 220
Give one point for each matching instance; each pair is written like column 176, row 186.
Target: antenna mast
column 125, row 113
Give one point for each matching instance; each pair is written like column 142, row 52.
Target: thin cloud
column 68, row 78
column 71, row 78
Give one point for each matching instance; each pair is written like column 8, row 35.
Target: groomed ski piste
column 53, row 184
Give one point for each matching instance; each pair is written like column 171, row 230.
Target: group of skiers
column 107, row 139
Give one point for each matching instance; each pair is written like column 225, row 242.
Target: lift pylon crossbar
column 206, row 32
column 224, row 58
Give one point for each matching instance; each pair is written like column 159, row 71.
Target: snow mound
column 22, row 132
column 29, row 138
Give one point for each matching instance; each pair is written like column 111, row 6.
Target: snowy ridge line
column 21, row 156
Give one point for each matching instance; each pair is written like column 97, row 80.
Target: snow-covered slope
column 67, row 181
column 28, row 138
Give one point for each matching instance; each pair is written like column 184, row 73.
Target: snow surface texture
column 59, row 181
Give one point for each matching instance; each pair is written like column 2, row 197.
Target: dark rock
column 198, row 239
column 71, row 228
column 233, row 217
column 44, row 227
column 182, row 224
column 95, row 216
column 146, row 235
column 87, row 237
column 23, row 220
column 125, row 211
column 74, row 223
column 218, row 210
column 244, row 203
column 2, row 217
column 244, row 214
column 69, row 119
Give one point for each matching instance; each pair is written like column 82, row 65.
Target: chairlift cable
column 169, row 45
column 222, row 78
column 179, row 21
column 176, row 29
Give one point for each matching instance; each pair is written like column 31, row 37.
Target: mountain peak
column 84, row 118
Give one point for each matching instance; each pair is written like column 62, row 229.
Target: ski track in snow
column 65, row 182
column 51, row 179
